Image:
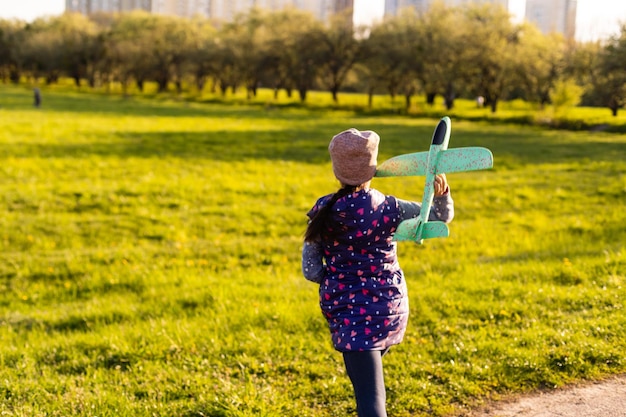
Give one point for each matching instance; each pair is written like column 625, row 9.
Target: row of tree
column 467, row 51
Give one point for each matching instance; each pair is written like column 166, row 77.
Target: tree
column 226, row 59
column 443, row 39
column 582, row 64
column 394, row 56
column 285, row 29
column 202, row 54
column 563, row 95
column 373, row 69
column 612, row 86
column 492, row 44
column 181, row 38
column 81, row 47
column 150, row 47
column 305, row 55
column 51, row 47
column 41, row 50
column 171, row 43
column 12, row 36
column 539, row 63
column 249, row 41
column 339, row 52
column 128, row 48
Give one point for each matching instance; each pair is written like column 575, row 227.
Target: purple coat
column 363, row 294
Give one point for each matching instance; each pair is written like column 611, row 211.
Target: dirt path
column 596, row 399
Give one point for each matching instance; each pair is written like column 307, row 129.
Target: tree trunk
column 302, row 92
column 200, row 80
column 14, row 76
column 494, row 105
column 334, row 91
column 251, row 91
column 223, row 88
column 614, row 109
column 449, row 101
column 392, row 93
column 162, row 83
column 124, row 87
column 51, row 79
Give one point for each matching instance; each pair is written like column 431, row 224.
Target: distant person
column 37, row 95
column 349, row 250
column 480, row 101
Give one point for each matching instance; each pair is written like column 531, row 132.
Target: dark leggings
column 365, row 370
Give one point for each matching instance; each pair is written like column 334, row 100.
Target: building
column 393, row 7
column 216, row 9
column 548, row 15
column 503, row 3
column 553, row 16
column 87, row 7
column 172, row 7
column 129, row 5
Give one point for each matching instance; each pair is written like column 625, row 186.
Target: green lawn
column 150, row 261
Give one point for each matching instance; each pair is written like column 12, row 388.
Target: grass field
column 150, row 261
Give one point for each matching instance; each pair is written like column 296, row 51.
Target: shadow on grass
column 309, row 145
column 15, row 98
column 305, row 137
column 290, row 145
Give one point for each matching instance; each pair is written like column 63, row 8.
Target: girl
column 349, row 250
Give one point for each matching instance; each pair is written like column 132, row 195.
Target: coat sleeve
column 442, row 208
column 312, row 261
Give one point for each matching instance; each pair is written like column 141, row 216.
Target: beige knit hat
column 353, row 154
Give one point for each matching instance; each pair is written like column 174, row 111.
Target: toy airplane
column 438, row 160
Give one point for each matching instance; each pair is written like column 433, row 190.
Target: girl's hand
column 441, row 185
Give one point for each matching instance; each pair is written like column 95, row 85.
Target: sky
column 596, row 18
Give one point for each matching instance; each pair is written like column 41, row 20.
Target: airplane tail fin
column 435, row 229
column 407, row 230
column 413, row 230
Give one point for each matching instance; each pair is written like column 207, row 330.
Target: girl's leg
column 365, row 370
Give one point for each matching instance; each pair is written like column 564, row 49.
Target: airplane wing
column 450, row 160
column 406, row 165
column 464, row 159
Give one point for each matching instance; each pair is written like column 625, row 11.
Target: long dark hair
column 318, row 226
